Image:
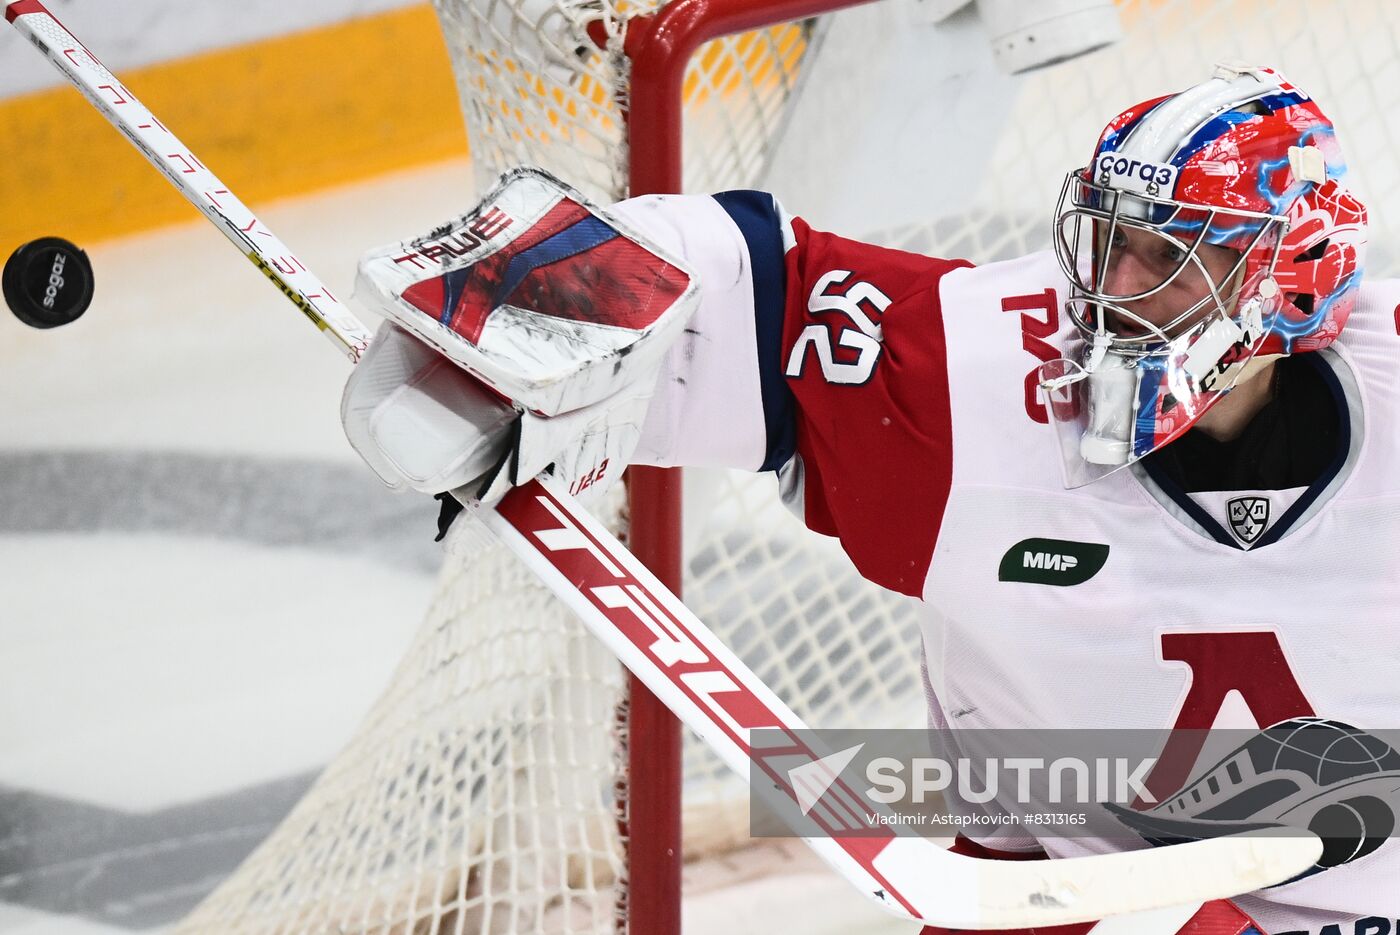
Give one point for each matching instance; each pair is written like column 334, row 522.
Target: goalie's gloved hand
column 525, row 335
column 423, row 423
column 420, row 421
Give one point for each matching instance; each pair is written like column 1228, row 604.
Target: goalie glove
column 422, row 423
column 526, row 334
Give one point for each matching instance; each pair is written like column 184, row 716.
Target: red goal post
column 660, row 46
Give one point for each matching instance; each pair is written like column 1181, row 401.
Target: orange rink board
column 272, row 118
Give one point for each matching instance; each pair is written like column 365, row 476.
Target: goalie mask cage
column 504, row 782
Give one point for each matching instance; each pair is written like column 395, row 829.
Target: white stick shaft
column 204, row 190
column 685, row 664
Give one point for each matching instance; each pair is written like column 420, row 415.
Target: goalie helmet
column 1210, row 230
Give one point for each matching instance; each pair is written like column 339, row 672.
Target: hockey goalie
column 1169, row 398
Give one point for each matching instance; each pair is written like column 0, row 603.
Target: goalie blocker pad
column 541, row 295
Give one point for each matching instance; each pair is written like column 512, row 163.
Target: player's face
column 1139, row 260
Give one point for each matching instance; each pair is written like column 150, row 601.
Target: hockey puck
column 48, row 282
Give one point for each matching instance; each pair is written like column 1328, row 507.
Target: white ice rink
column 201, row 590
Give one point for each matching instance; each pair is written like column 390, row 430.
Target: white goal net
column 480, row 793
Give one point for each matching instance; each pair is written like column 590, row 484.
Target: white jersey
column 894, row 395
column 1201, row 614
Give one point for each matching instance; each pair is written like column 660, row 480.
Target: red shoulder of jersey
column 864, row 357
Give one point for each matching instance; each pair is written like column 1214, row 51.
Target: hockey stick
column 686, row 665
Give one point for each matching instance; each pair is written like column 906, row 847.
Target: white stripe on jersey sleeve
column 708, row 406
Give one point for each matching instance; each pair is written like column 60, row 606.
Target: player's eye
column 1174, row 255
column 1119, row 238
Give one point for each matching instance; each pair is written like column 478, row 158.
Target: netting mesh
column 478, row 795
column 544, row 82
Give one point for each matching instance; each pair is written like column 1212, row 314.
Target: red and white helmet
column 1244, row 161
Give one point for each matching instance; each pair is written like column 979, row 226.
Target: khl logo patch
column 1249, row 517
column 1052, row 561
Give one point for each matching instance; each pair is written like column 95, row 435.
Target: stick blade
column 1058, row 892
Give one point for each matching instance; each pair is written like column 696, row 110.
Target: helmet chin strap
column 1112, row 402
column 1255, row 324
column 1113, row 376
column 1098, row 350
